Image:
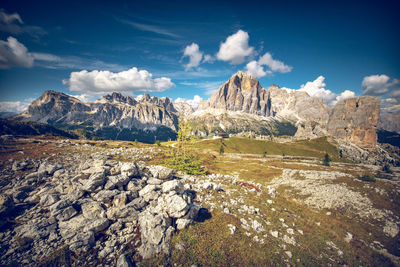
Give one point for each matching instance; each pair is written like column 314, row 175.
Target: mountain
column 389, row 119
column 113, row 116
column 241, row 104
column 242, row 92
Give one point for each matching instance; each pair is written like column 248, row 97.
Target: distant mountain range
column 239, row 105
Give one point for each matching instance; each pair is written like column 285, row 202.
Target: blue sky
column 185, row 48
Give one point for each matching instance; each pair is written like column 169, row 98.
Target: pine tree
column 326, row 160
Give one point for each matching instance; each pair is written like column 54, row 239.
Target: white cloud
column 149, row 28
column 192, row 102
column 317, row 88
column 14, row 54
column 208, row 59
column 195, row 55
column 12, row 23
column 51, row 61
column 83, row 97
column 256, row 67
column 235, row 48
column 376, row 85
column 344, row 95
column 17, row 106
column 9, row 18
column 274, row 65
column 101, row 82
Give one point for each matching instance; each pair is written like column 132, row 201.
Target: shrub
column 221, row 150
column 136, row 142
column 366, row 178
column 326, row 160
column 158, row 143
column 265, row 154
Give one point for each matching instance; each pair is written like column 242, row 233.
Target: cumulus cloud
column 345, row 94
column 235, row 48
column 208, row 59
column 101, row 82
column 195, row 55
column 256, row 67
column 317, row 88
column 192, row 102
column 274, row 65
column 376, row 85
column 12, row 23
column 14, row 54
column 381, row 86
column 16, row 106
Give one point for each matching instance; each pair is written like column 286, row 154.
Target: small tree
column 158, row 143
column 265, row 154
column 326, row 160
column 183, row 158
column 221, row 150
column 136, row 142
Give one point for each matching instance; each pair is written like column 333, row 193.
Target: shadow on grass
column 203, row 215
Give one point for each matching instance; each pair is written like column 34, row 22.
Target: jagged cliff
column 355, row 120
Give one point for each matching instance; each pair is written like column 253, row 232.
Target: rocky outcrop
column 355, row 120
column 298, row 106
column 242, row 92
column 95, row 206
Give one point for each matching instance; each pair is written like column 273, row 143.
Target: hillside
column 12, row 127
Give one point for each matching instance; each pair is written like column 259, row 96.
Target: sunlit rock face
column 355, row 120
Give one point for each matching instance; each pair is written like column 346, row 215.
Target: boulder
column 161, row 172
column 95, row 180
column 129, row 169
column 173, row 186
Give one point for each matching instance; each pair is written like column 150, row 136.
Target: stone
column 274, row 233
column 96, row 225
column 104, row 196
column 125, row 213
column 93, row 210
column 120, row 200
column 66, row 214
column 182, row 223
column 156, row 234
column 129, row 169
column 232, row 228
column 154, row 181
column 117, row 181
column 289, row 240
column 6, row 204
column 175, row 206
column 49, row 199
column 95, row 180
column 174, row 186
column 257, row 226
column 161, row 172
column 82, row 241
column 124, row 261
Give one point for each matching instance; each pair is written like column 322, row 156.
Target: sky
column 187, row 49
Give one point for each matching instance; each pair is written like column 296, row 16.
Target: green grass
column 305, row 148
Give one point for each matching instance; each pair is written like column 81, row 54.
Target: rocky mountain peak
column 242, row 92
column 118, row 98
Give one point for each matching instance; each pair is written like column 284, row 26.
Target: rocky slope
column 355, row 120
